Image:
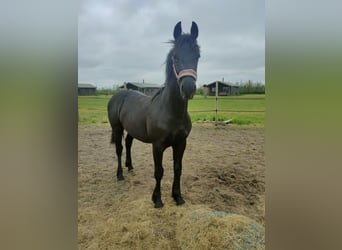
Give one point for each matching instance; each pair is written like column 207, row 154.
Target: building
column 86, row 89
column 147, row 88
column 224, row 88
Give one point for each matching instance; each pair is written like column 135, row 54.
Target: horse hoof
column 158, row 204
column 121, row 178
column 131, row 170
column 180, row 201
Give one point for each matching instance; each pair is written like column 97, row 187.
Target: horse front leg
column 158, row 152
column 178, row 151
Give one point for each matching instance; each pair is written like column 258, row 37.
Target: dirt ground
column 223, row 169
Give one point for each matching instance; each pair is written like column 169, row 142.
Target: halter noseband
column 184, row 72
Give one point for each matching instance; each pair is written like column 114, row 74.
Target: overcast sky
column 125, row 40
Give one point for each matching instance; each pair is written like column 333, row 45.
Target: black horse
column 163, row 119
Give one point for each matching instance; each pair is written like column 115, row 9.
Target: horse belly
column 139, row 136
column 135, row 125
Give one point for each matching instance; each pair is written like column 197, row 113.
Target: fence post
column 216, row 94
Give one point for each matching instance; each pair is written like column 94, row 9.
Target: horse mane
column 157, row 93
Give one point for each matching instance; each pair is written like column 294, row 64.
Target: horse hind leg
column 117, row 134
column 128, row 144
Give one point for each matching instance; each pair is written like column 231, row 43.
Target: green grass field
column 93, row 109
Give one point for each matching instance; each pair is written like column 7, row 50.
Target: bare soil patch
column 223, row 170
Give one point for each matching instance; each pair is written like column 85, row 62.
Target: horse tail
column 114, row 106
column 117, row 135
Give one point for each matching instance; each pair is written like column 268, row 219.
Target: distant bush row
column 251, row 88
column 245, row 88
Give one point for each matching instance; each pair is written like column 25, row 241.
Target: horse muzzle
column 187, row 87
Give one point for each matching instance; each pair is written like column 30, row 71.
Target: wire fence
column 224, row 111
column 219, row 104
column 228, row 110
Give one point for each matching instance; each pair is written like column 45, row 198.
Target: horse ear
column 177, row 31
column 194, row 30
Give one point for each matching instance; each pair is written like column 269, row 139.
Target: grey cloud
column 125, row 40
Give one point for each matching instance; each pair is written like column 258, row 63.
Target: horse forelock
column 185, row 39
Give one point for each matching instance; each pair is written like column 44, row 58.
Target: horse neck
column 172, row 98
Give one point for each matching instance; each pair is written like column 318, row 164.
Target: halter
column 184, row 72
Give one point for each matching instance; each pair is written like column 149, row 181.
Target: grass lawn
column 93, row 109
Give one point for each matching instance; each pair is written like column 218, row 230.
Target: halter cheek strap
column 184, row 72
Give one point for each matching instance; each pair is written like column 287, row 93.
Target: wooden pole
column 216, row 94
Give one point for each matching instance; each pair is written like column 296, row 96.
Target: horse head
column 185, row 59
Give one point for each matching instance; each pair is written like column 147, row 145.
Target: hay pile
column 138, row 225
column 203, row 229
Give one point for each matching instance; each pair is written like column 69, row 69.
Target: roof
column 86, row 86
column 145, row 85
column 223, row 83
